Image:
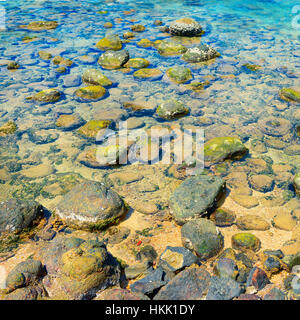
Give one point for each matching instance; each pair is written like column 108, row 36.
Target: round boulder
column 90, row 205
column 187, row 27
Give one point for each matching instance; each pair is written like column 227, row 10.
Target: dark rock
column 200, row 53
column 202, row 236
column 185, row 27
column 275, row 294
column 223, row 289
column 16, row 215
column 257, row 278
column 195, row 197
column 223, row 218
column 190, row 284
column 147, row 253
column 150, row 284
column 226, row 268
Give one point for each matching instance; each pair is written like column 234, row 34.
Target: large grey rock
column 113, row 59
column 90, row 205
column 203, row 237
column 195, row 197
column 223, row 289
column 185, row 27
column 200, row 53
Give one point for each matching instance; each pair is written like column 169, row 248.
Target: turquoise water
column 237, row 101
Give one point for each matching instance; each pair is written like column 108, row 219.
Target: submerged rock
column 138, row 28
column 223, row 148
column 137, row 63
column 252, row 222
column 179, row 74
column 47, row 96
column 90, row 93
column 290, row 94
column 92, row 128
column 95, row 77
column 245, row 241
column 8, row 128
column 16, row 215
column 223, row 218
column 113, row 59
column 110, row 42
column 200, row 53
column 69, row 121
column 90, row 205
column 40, row 25
column 172, row 109
column 202, row 236
column 148, row 74
column 187, row 27
column 176, row 258
column 170, row 48
column 190, row 284
column 195, row 197
column 261, row 182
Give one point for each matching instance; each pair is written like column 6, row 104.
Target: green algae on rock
column 145, row 43
column 90, row 93
column 290, row 94
column 95, row 77
column 44, row 55
column 223, row 218
column 138, row 28
column 148, row 74
column 223, row 148
column 8, row 128
column 13, row 65
column 187, row 27
column 200, row 53
column 172, row 109
column 113, row 59
column 92, row 128
column 179, row 74
column 202, row 237
column 40, row 25
column 47, row 96
column 58, row 60
column 252, row 67
column 245, row 241
column 195, row 197
column 90, row 206
column 170, row 48
column 110, row 42
column 137, row 63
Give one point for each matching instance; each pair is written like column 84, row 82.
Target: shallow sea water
column 237, row 101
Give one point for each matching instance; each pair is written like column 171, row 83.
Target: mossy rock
column 200, row 53
column 90, row 206
column 128, row 35
column 179, row 74
column 148, row 74
column 13, row 65
column 202, row 237
column 90, row 93
column 138, row 28
column 40, row 25
column 8, row 128
column 108, row 25
column 223, row 148
column 145, row 43
column 58, row 60
column 290, row 94
column 137, row 63
column 110, row 42
column 69, row 121
column 172, row 109
column 245, row 241
column 252, row 67
column 113, row 59
column 44, row 55
column 92, row 128
column 170, row 48
column 95, row 77
column 47, row 96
